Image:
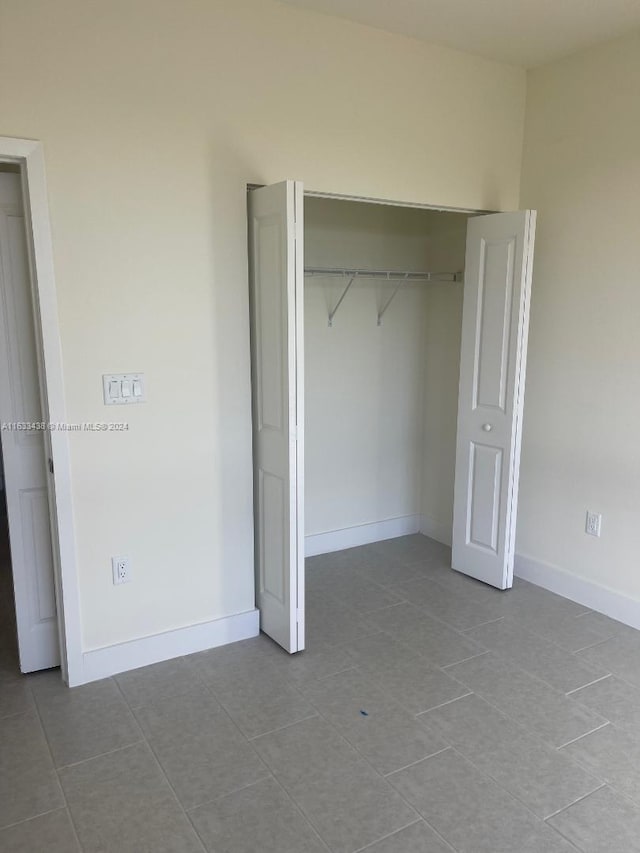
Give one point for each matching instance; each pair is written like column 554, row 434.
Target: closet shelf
column 399, row 276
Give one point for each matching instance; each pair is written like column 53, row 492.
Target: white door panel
column 495, row 322
column 23, row 449
column 276, row 285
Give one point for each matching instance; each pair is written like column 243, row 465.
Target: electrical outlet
column 594, row 523
column 121, row 567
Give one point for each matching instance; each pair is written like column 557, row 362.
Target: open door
column 23, row 444
column 495, row 324
column 276, row 278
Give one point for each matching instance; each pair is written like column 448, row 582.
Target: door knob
column 487, row 427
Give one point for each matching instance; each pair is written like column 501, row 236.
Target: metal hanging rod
column 400, row 276
column 388, row 275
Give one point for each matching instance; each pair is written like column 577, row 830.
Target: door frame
column 363, row 200
column 512, row 524
column 28, row 155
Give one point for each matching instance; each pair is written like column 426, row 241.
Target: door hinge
column 50, row 465
column 298, row 616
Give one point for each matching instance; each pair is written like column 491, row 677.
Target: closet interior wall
column 380, row 401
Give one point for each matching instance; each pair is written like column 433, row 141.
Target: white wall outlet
column 121, row 567
column 594, row 523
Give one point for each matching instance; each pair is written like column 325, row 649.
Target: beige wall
column 580, row 443
column 154, row 115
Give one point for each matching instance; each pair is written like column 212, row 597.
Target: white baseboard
column 586, row 592
column 361, row 534
column 435, row 529
column 110, row 660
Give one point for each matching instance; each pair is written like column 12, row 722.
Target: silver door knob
column 487, row 427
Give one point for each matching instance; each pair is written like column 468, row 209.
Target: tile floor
column 429, row 714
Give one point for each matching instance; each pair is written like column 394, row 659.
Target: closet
column 388, row 350
column 382, row 353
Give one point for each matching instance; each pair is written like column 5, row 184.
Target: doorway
column 27, row 544
column 379, row 457
column 27, row 156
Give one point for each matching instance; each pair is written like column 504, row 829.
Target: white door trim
column 389, row 202
column 28, row 154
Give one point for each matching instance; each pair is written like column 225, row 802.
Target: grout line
column 181, row 808
column 481, row 625
column 281, row 728
column 464, row 660
column 421, row 819
column 300, row 685
column 444, row 704
column 18, row 713
column 32, row 817
column 386, row 837
column 564, row 837
column 132, row 711
column 251, row 784
column 626, row 681
column 592, row 645
column 306, row 818
column 193, row 827
column 417, row 761
column 267, row 775
column 576, row 801
column 586, row 734
column 101, row 754
column 582, row 687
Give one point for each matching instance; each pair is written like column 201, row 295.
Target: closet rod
column 401, row 277
column 389, row 275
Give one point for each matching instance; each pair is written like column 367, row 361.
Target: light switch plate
column 122, row 389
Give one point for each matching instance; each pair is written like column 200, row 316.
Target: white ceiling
column 520, row 32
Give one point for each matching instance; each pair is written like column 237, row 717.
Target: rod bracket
column 382, row 311
column 333, row 313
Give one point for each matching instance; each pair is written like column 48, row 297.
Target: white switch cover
column 121, row 389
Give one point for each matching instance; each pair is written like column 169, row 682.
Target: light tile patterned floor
column 429, row 714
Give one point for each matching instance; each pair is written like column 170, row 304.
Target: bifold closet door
column 497, row 288
column 276, row 273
